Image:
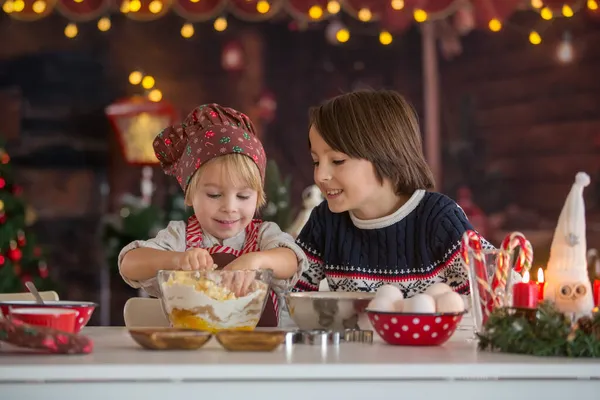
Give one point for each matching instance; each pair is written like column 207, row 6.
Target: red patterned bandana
column 209, row 131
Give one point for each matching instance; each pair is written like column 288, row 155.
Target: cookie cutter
column 319, row 337
column 358, row 336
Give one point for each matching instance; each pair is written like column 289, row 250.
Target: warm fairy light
column 135, row 5
column 187, row 30
column 8, row 6
column 365, row 15
column 537, row 3
column 104, row 24
column 39, row 6
column 385, row 38
column 333, row 7
column 71, row 30
column 125, row 7
column 135, row 78
column 397, row 4
column 343, row 35
column 546, row 13
column 18, row 5
column 263, row 6
column 220, row 24
column 535, row 38
column 567, row 11
column 420, row 15
column 315, row 12
column 592, row 5
column 155, row 6
column 155, row 95
column 148, row 82
column 495, row 25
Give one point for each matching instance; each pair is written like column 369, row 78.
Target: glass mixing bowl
column 214, row 300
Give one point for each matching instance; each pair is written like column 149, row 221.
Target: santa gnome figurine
column 567, row 280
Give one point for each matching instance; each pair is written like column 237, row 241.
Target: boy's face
column 223, row 208
column 348, row 184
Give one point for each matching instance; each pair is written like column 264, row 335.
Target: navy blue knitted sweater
column 413, row 248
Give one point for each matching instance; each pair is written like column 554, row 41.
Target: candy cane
column 471, row 242
column 524, row 260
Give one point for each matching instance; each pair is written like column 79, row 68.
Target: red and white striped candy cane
column 524, row 261
column 471, row 242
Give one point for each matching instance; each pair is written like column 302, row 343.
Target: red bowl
column 62, row 319
column 84, row 309
column 409, row 329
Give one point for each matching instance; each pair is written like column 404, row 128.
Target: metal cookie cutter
column 313, row 337
column 358, row 336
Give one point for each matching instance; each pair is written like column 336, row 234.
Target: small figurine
column 311, row 197
column 567, row 280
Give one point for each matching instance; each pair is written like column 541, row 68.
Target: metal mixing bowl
column 334, row 311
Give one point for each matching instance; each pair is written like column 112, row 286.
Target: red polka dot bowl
column 61, row 319
column 409, row 329
column 83, row 309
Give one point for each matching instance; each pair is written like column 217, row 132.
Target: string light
column 315, row 12
column 148, row 82
column 365, row 15
column 592, row 5
column 155, row 6
column 135, row 5
column 78, row 1
column 397, row 4
column 125, row 7
column 71, row 30
column 567, row 11
column 495, row 25
column 535, row 38
column 8, row 6
column 155, row 95
column 263, row 6
column 135, row 78
column 187, row 30
column 343, row 35
column 537, row 3
column 104, row 24
column 564, row 51
column 546, row 13
column 420, row 15
column 39, row 6
column 333, row 7
column 385, row 38
column 220, row 24
column 19, row 5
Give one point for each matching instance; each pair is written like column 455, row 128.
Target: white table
column 119, row 368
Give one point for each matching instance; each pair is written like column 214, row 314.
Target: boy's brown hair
column 380, row 127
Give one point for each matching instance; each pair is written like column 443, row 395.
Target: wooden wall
column 538, row 120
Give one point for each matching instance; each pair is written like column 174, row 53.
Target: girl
column 220, row 165
column 379, row 224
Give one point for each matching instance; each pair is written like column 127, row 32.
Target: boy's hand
column 195, row 260
column 242, row 273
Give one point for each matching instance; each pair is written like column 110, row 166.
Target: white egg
column 389, row 292
column 419, row 304
column 438, row 289
column 381, row 304
column 450, row 302
column 399, row 305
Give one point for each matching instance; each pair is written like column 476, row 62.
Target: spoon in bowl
column 34, row 292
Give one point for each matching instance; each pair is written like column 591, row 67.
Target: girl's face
column 348, row 184
column 223, row 208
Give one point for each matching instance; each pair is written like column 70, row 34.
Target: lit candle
column 525, row 293
column 597, row 292
column 541, row 283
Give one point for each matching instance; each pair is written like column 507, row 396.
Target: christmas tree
column 277, row 189
column 20, row 258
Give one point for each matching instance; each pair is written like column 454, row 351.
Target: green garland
column 545, row 332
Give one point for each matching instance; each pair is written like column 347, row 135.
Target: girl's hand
column 194, row 260
column 242, row 274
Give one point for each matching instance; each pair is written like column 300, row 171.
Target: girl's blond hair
column 239, row 170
